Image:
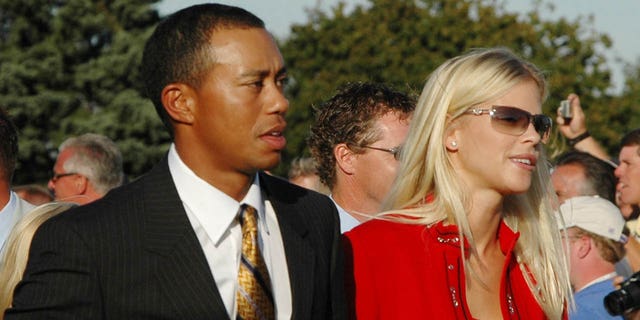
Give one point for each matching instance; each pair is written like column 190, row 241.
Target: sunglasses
column 514, row 121
column 58, row 176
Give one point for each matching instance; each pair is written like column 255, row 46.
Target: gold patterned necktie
column 254, row 297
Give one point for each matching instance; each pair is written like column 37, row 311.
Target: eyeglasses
column 395, row 151
column 515, row 121
column 57, row 176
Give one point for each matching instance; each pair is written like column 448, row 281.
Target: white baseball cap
column 593, row 214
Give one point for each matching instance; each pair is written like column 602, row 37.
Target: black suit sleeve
column 131, row 255
column 59, row 282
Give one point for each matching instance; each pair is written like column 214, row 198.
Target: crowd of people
column 441, row 206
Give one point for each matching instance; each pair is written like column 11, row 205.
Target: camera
column 565, row 111
column 626, row 298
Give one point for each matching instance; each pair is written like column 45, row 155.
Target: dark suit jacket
column 134, row 255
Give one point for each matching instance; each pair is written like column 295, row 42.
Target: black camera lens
column 616, row 302
column 626, row 298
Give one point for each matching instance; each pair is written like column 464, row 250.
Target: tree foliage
column 400, row 42
column 69, row 67
column 622, row 113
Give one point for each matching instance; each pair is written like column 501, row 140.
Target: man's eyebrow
column 263, row 73
column 254, row 73
column 281, row 72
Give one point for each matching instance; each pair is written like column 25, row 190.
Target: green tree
column 622, row 113
column 69, row 67
column 400, row 42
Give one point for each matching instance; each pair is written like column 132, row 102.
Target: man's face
column 628, row 174
column 567, row 181
column 375, row 170
column 64, row 185
column 239, row 107
column 571, row 252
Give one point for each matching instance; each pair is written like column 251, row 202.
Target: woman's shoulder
column 383, row 225
column 385, row 232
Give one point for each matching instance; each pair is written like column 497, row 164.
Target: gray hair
column 97, row 158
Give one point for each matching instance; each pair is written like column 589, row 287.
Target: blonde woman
column 472, row 172
column 16, row 251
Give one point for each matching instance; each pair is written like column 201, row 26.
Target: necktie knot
column 248, row 219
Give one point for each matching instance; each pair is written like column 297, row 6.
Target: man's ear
column 80, row 183
column 179, row 101
column 345, row 158
column 584, row 246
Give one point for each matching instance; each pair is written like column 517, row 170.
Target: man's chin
column 269, row 163
column 632, row 199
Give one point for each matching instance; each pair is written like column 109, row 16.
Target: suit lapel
column 300, row 254
column 182, row 267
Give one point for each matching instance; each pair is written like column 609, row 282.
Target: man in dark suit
column 168, row 246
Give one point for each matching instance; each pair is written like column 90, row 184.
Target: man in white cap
column 592, row 227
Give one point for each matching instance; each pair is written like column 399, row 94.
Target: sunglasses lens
column 510, row 120
column 515, row 121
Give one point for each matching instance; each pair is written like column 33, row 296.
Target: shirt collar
column 11, row 205
column 215, row 210
column 347, row 221
column 255, row 198
column 8, row 217
column 604, row 277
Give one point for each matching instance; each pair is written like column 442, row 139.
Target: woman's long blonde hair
column 16, row 251
column 477, row 77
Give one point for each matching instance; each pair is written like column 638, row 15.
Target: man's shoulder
column 301, row 208
column 283, row 190
column 23, row 207
column 118, row 204
column 381, row 237
column 589, row 303
column 595, row 291
column 382, row 226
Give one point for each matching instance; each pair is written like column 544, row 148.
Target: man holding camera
column 592, row 227
column 572, row 124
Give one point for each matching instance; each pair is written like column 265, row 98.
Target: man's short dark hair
column 600, row 179
column 348, row 117
column 631, row 139
column 179, row 48
column 8, row 147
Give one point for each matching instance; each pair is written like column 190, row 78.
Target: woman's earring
column 453, row 146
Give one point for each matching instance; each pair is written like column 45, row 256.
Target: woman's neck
column 484, row 219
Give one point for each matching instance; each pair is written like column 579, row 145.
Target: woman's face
column 487, row 158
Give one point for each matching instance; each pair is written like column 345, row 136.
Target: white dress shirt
column 212, row 214
column 12, row 212
column 347, row 221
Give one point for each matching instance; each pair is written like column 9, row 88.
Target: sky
column 617, row 18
